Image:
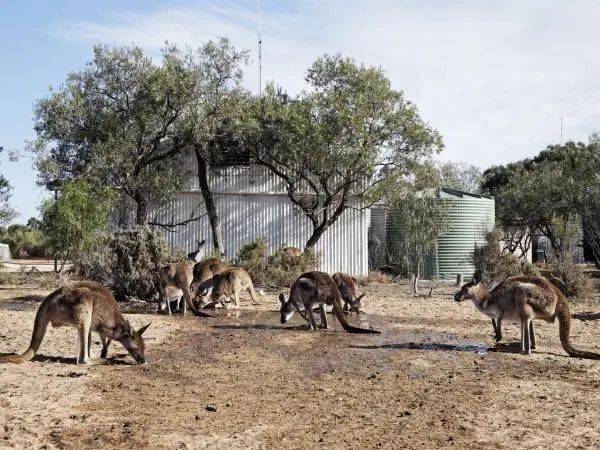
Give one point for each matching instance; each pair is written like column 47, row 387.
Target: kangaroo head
column 198, row 254
column 133, row 341
column 469, row 291
column 221, row 287
column 287, row 309
column 356, row 304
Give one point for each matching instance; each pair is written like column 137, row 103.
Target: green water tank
column 471, row 215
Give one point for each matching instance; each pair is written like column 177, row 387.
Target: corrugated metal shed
column 252, row 204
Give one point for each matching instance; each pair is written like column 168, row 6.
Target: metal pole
column 259, row 55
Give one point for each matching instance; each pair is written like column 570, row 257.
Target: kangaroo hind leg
column 83, row 329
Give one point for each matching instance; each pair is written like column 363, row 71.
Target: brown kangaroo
column 313, row 289
column 87, row 306
column 524, row 298
column 228, row 284
column 204, row 271
column 175, row 282
column 348, row 287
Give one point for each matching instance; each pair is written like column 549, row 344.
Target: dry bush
column 493, row 265
column 127, row 261
column 275, row 270
column 33, row 279
column 376, row 277
column 570, row 278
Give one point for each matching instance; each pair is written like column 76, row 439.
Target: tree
column 120, row 122
column 341, row 143
column 6, row 212
column 217, row 109
column 460, row 176
column 546, row 194
column 75, row 218
column 419, row 218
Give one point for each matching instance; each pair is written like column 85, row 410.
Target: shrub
column 25, row 241
column 570, row 278
column 254, row 257
column 274, row 270
column 284, row 270
column 489, row 260
column 376, row 277
column 127, row 261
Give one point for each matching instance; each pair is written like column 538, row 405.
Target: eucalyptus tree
column 219, row 106
column 340, row 144
column 120, row 122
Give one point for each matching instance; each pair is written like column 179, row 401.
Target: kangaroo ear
column 358, row 299
column 282, row 298
column 354, row 279
column 477, row 276
column 144, row 328
column 230, row 276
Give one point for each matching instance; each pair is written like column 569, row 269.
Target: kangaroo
column 348, row 287
column 313, row 289
column 229, row 283
column 291, row 252
column 288, row 255
column 175, row 282
column 87, row 306
column 523, row 298
column 204, row 271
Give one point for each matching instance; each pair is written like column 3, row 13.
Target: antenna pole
column 259, row 55
column 561, row 130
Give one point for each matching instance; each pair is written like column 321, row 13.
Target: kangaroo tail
column 253, row 294
column 39, row 331
column 564, row 326
column 339, row 313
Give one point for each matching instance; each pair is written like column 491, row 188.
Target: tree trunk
column 209, row 202
column 315, row 236
column 417, row 274
column 141, row 215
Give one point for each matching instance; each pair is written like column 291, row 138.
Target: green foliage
column 277, row 269
column 542, row 194
column 74, row 220
column 25, row 241
column 362, row 134
column 419, row 221
column 418, row 218
column 126, row 261
column 118, row 123
column 253, row 257
column 6, row 212
column 461, row 176
column 494, row 265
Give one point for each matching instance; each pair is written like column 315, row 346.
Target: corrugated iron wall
column 246, row 217
column 252, row 204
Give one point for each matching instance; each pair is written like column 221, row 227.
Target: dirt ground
column 243, row 380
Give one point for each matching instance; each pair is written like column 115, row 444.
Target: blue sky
column 493, row 77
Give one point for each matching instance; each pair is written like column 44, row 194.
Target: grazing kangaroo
column 87, row 306
column 348, row 287
column 229, row 283
column 313, row 289
column 204, row 271
column 524, row 298
column 175, row 282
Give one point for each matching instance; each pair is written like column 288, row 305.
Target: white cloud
column 494, row 77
